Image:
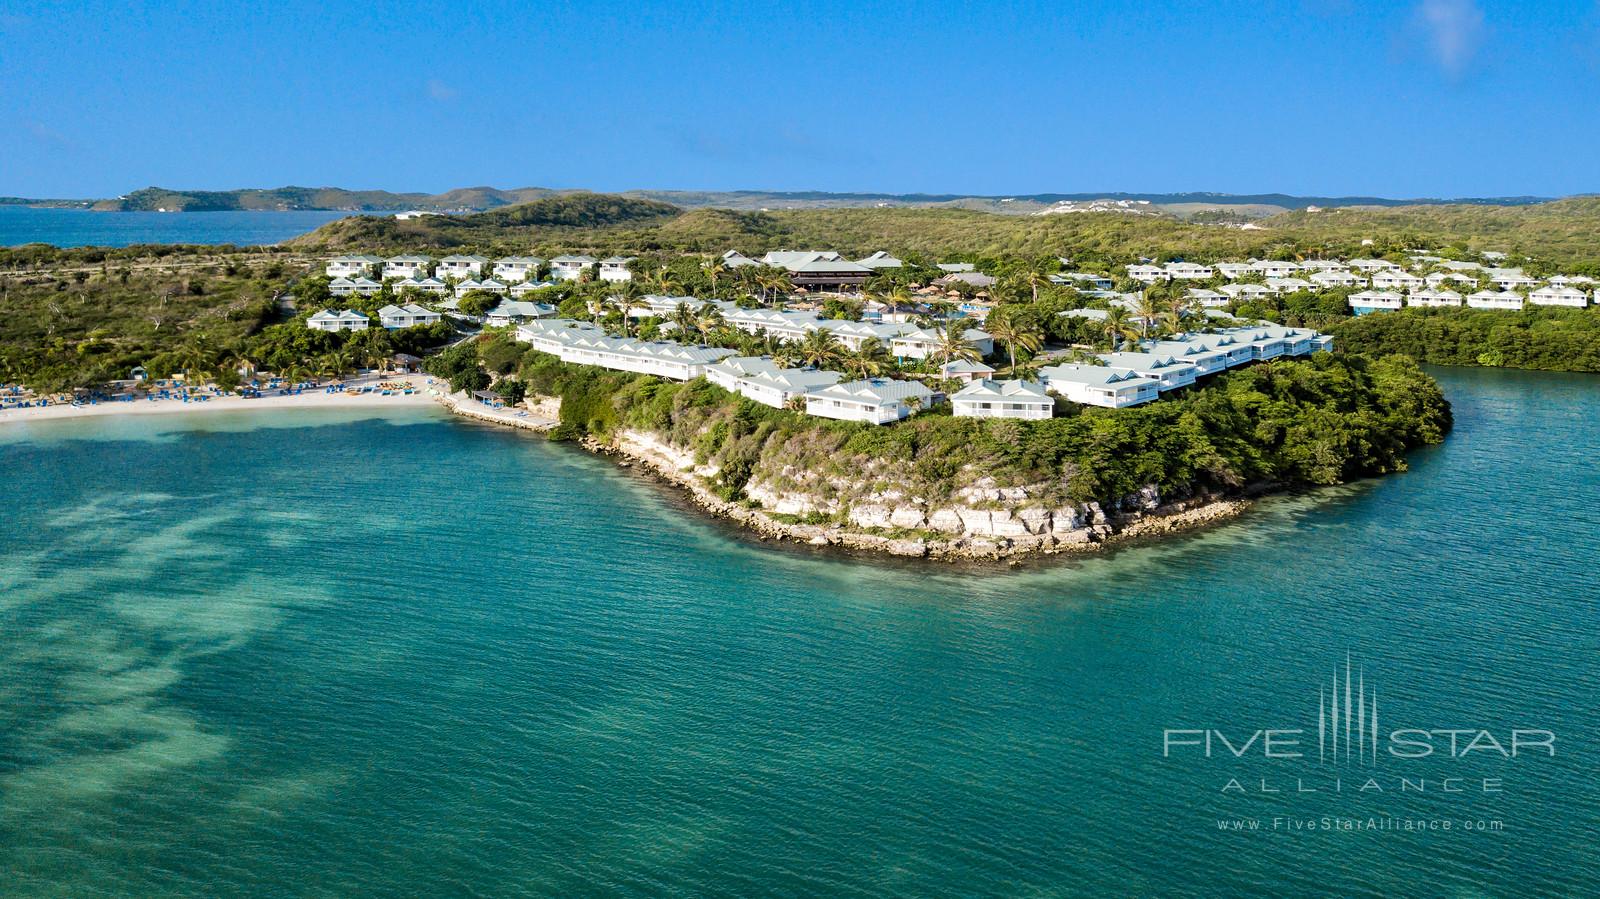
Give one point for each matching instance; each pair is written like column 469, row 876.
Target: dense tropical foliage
column 1321, row 420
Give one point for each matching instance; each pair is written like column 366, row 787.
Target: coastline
column 543, row 413
column 1174, row 518
column 630, row 450
column 315, row 398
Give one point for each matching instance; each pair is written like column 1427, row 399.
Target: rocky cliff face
column 983, row 520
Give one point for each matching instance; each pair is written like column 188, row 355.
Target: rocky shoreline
column 1002, row 534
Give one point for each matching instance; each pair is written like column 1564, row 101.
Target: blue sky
column 1418, row 98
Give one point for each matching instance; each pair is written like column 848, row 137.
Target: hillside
column 466, row 198
column 479, row 199
column 1563, row 232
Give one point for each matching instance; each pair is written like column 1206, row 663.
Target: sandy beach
column 427, row 390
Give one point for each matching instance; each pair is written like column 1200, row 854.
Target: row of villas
column 1335, row 272
column 1378, row 300
column 904, row 340
column 1124, row 379
column 507, row 270
column 392, row 317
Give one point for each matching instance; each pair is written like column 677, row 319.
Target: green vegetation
column 83, row 323
column 152, row 198
column 1322, row 420
column 1553, row 339
column 1564, row 233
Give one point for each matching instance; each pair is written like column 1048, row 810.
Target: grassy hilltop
column 1562, row 232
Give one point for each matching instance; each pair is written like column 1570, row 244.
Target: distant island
column 1190, row 205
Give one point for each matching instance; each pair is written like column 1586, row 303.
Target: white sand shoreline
column 313, row 398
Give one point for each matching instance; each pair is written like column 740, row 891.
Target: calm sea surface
column 276, row 655
column 82, row 228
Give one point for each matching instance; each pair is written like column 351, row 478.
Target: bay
column 82, row 228
column 272, row 654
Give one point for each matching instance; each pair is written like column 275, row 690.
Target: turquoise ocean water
column 82, row 228
column 325, row 654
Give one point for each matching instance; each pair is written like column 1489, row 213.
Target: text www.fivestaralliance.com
column 1360, row 825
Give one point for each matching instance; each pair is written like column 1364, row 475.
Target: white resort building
column 461, row 267
column 874, row 401
column 516, row 269
column 615, row 268
column 1559, row 296
column 344, row 320
column 984, row 398
column 406, row 266
column 1490, row 299
column 1373, row 300
column 409, row 315
column 1098, row 385
column 570, row 268
column 353, row 266
column 1434, row 298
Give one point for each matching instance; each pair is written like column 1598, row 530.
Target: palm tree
column 1149, row 310
column 819, row 348
column 1035, row 279
column 684, row 320
column 1014, row 332
column 1119, row 325
column 714, row 269
column 952, row 345
column 869, row 360
column 667, row 283
column 626, row 302
column 708, row 319
column 195, row 356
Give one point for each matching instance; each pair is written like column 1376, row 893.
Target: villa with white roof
column 468, row 286
column 760, row 379
column 407, row 316
column 523, row 288
column 1233, row 270
column 1434, row 298
column 1373, row 300
column 964, row 370
column 1490, row 299
column 1097, row 385
column 1396, row 279
column 1246, row 291
column 1166, row 370
column 1372, row 265
column 1275, row 268
column 585, row 344
column 353, row 266
column 424, row 285
column 343, row 287
column 1209, row 299
column 513, row 312
column 1189, row 271
column 1288, row 285
column 460, row 267
column 880, row 260
column 736, row 259
column 1147, row 274
column 1207, row 360
column 1510, row 278
column 1559, row 296
column 875, row 401
column 615, row 268
column 516, row 269
column 1330, row 278
column 984, row 398
column 406, row 266
column 570, row 268
column 344, row 320
column 920, row 343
